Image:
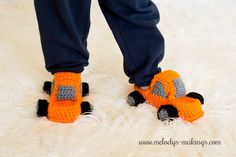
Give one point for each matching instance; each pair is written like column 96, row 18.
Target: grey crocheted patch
column 66, row 93
column 159, row 90
column 163, row 115
column 131, row 101
column 179, row 87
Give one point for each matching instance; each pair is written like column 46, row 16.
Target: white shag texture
column 200, row 40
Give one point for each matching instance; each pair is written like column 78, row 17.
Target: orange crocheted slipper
column 167, row 93
column 65, row 98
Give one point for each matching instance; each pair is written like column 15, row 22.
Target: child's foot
column 167, row 93
column 65, row 98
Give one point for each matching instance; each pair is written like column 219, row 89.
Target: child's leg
column 133, row 23
column 64, row 27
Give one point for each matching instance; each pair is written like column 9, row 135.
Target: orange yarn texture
column 188, row 108
column 65, row 110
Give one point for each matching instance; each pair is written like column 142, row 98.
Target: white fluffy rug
column 200, row 44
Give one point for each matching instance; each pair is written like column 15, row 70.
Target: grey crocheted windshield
column 66, row 93
column 179, row 88
column 159, row 90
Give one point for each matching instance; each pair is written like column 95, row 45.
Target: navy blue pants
column 64, row 27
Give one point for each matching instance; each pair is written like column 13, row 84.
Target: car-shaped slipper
column 167, row 93
column 42, row 105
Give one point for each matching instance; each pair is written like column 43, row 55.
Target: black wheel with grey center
column 167, row 112
column 135, row 98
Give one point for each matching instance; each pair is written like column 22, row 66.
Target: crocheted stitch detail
column 159, row 90
column 66, row 93
column 131, row 101
column 163, row 114
column 179, row 88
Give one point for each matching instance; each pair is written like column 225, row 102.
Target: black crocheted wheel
column 86, row 108
column 167, row 112
column 196, row 95
column 85, row 89
column 47, row 87
column 42, row 109
column 135, row 98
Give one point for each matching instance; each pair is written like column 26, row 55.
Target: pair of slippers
column 166, row 92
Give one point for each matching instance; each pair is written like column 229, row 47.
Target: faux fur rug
column 200, row 44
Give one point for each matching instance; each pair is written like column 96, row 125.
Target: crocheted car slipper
column 65, row 103
column 167, row 93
